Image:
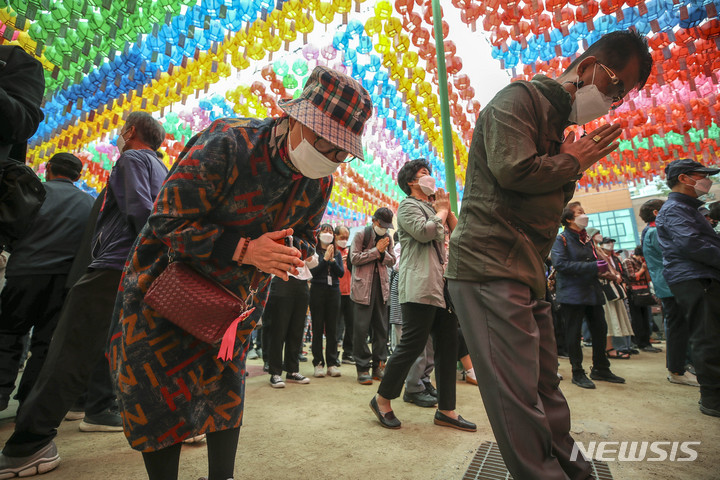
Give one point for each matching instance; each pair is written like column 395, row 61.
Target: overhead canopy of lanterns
column 196, row 60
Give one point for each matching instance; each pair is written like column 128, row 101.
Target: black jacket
column 22, row 86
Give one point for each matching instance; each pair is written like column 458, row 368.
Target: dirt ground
column 325, row 430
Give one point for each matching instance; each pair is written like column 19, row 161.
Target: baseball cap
column 678, row 167
column 384, row 217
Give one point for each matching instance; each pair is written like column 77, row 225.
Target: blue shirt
column 691, row 248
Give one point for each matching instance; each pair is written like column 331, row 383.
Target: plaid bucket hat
column 335, row 106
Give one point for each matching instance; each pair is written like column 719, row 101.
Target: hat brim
column 708, row 170
column 384, row 224
column 312, row 117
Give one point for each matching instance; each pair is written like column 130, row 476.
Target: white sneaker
column 470, row 376
column 252, row 355
column 685, row 379
column 320, row 371
column 297, row 377
column 276, row 381
column 334, row 371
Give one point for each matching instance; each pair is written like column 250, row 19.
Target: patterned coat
column 229, row 182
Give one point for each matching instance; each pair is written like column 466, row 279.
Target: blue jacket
column 134, row 182
column 691, row 248
column 654, row 259
column 576, row 279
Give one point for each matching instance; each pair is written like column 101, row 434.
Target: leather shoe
column 430, row 389
column 605, row 376
column 581, row 380
column 460, row 423
column 707, row 409
column 387, row 420
column 421, row 399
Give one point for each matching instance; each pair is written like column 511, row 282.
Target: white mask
column 590, row 103
column 427, row 185
column 582, row 220
column 120, row 143
column 326, row 238
column 342, row 243
column 702, row 186
column 309, row 161
column 380, row 231
column 607, row 246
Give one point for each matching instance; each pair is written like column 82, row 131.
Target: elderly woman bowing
column 218, row 212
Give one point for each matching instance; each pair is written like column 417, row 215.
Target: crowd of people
column 494, row 289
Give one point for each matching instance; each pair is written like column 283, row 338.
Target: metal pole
column 444, row 108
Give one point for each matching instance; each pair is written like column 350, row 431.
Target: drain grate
column 487, row 464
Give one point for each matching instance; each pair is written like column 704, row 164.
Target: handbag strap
column 255, row 282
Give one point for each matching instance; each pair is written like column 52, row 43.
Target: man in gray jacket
column 371, row 252
column 521, row 174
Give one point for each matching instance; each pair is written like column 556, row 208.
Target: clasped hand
column 270, row 255
column 587, row 150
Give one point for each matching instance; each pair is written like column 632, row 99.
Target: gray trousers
column 512, row 346
column 421, row 369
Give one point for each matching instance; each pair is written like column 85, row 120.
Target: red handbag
column 196, row 303
column 201, row 306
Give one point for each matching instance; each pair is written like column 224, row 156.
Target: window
column 617, row 224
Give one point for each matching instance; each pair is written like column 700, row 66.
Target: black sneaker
column 297, row 378
column 349, row 360
column 581, row 380
column 421, row 399
column 364, row 378
column 276, row 381
column 107, row 421
column 707, row 409
column 605, row 376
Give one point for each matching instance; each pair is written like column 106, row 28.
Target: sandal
column 617, row 355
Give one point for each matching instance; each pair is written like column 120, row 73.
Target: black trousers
column 375, row 316
column 419, row 322
column 324, row 309
column 573, row 317
column 700, row 301
column 677, row 335
column 345, row 325
column 77, row 348
column 28, row 302
column 640, row 318
column 286, row 306
column 221, row 446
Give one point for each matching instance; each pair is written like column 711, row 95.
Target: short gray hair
column 150, row 131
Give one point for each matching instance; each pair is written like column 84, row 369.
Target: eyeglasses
column 337, row 155
column 617, row 100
